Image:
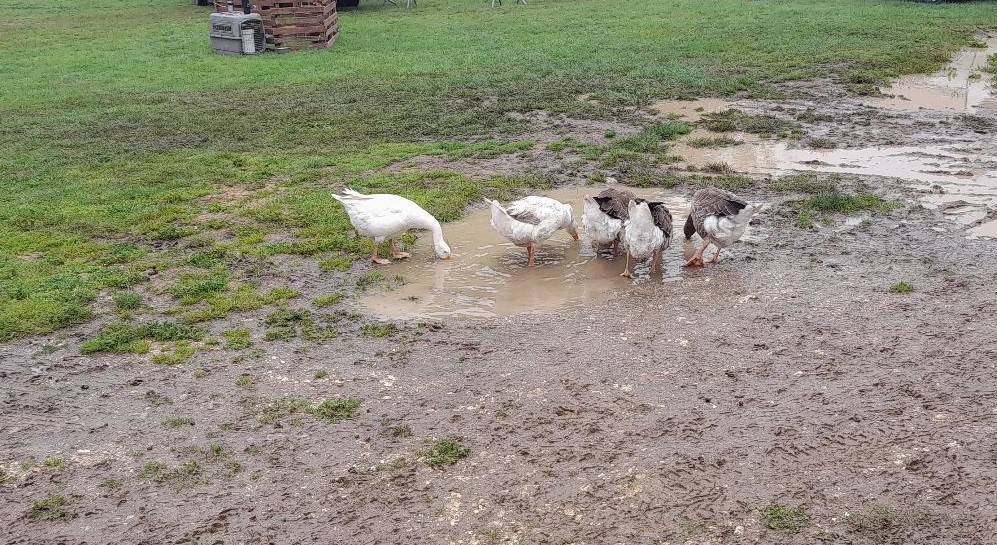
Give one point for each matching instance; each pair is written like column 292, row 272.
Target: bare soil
column 678, row 412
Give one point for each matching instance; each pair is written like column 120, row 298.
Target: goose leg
column 395, row 253
column 656, row 264
column 616, row 248
column 627, row 273
column 377, row 258
column 716, row 257
column 531, row 251
column 697, row 259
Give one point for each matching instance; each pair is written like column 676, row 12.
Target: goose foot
column 377, row 259
column 627, row 272
column 697, row 259
column 531, row 252
column 395, row 253
column 656, row 265
column 716, row 257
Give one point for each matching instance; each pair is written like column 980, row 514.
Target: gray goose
column 719, row 217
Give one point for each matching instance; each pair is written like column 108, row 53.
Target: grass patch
column 179, row 422
column 379, row 330
column 336, row 410
column 244, row 381
column 804, row 183
column 734, row 120
column 820, row 207
column 327, row 300
column 237, row 339
column 339, row 263
column 820, row 143
column 50, row 509
column 127, row 300
column 330, row 410
column 443, row 453
column 902, row 287
column 780, row 517
column 122, row 337
column 55, row 463
column 182, row 352
column 721, row 141
column 877, row 518
column 183, row 477
column 321, row 374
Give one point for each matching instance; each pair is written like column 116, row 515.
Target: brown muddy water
column 488, row 275
column 961, row 86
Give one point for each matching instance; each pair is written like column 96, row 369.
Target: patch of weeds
column 822, row 205
column 182, row 352
column 379, row 330
column 369, row 280
column 50, row 509
column 320, row 374
column 390, row 429
column 206, row 259
column 200, row 373
column 127, row 300
column 285, row 323
column 192, row 288
column 721, row 141
column 821, row 143
column 110, row 484
column 863, row 89
column 444, row 452
column 597, row 178
column 734, row 120
column 156, row 399
column 55, row 463
column 717, row 167
column 3, row 475
column 670, row 129
column 812, row 116
column 805, row 183
column 327, row 300
column 122, row 337
column 587, row 151
column 489, row 536
column 182, row 477
column 237, row 339
column 396, row 464
column 280, row 409
column 336, row 410
column 178, row 422
column 876, row 518
column 237, row 299
column 610, row 133
column 780, row 517
column 339, row 263
column 244, row 381
column 902, row 287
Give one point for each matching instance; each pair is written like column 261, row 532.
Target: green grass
column 237, row 339
column 182, row 352
column 50, row 509
column 780, row 517
column 736, row 120
column 327, row 300
column 111, row 157
column 444, row 452
column 321, row 374
column 336, row 410
column 821, row 206
column 179, row 422
column 55, row 463
column 185, row 476
column 721, row 141
column 124, row 337
column 127, row 300
column 379, row 330
column 902, row 287
column 244, row 381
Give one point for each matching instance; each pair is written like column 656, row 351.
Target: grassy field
column 125, row 144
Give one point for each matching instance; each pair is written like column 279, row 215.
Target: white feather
column 727, row 230
column 600, row 228
column 641, row 237
column 552, row 214
column 383, row 216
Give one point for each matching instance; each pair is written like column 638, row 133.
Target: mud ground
column 680, row 412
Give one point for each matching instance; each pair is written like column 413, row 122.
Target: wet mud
column 687, row 409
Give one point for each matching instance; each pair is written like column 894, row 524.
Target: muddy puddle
column 689, row 110
column 488, row 275
column 960, row 86
column 960, row 179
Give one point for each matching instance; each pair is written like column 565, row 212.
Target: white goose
column 646, row 233
column 531, row 220
column 603, row 217
column 384, row 216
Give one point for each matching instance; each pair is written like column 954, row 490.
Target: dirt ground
column 678, row 412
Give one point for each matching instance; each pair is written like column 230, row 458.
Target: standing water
column 488, row 275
